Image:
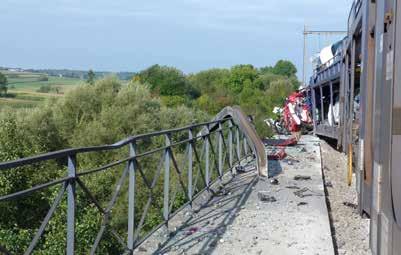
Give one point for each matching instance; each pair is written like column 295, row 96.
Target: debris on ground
column 280, row 142
column 274, row 181
column 302, row 178
column 302, row 203
column 351, row 205
column 265, row 197
column 281, row 154
column 328, row 184
column 292, row 187
column 142, row 249
column 191, row 231
column 300, row 193
column 289, row 142
column 222, row 192
column 240, row 169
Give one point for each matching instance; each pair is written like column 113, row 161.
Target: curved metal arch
column 241, row 120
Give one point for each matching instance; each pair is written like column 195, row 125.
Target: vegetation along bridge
column 174, row 185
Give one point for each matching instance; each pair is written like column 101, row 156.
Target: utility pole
column 315, row 32
column 304, row 60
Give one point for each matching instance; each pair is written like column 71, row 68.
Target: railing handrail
column 355, row 8
column 72, row 151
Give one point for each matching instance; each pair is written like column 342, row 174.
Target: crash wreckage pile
column 294, row 117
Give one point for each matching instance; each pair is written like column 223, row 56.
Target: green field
column 24, row 88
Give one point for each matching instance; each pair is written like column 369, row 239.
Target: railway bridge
column 207, row 188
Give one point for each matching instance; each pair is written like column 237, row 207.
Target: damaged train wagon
column 356, row 98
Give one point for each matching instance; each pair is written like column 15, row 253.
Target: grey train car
column 356, row 99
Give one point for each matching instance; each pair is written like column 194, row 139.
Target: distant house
column 15, row 69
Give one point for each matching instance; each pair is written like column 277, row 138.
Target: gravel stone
column 351, row 231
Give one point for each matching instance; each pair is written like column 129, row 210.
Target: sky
column 131, row 35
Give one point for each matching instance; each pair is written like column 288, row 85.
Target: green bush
column 88, row 115
column 104, row 113
column 44, row 89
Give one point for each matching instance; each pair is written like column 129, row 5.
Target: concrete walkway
column 292, row 219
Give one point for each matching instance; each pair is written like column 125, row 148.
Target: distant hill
column 77, row 74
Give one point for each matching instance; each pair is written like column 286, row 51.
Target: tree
column 43, row 78
column 3, row 84
column 91, row 77
column 209, row 81
column 167, row 81
column 241, row 74
column 285, row 68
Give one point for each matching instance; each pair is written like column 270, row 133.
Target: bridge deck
column 237, row 221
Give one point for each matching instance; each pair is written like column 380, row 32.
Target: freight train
column 356, row 101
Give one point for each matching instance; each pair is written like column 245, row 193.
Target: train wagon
column 356, row 97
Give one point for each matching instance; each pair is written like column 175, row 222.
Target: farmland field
column 27, row 90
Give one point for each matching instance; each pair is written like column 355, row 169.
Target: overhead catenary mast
column 306, row 33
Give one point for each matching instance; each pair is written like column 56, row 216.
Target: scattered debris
column 291, row 244
column 289, row 142
column 280, row 142
column 300, row 193
column 142, row 249
column 274, row 181
column 291, row 161
column 191, row 231
column 281, row 154
column 292, row 187
column 213, row 243
column 328, row 184
column 240, row 169
column 351, row 205
column 222, row 192
column 265, row 197
column 302, row 203
column 302, row 178
column 172, row 234
column 303, row 149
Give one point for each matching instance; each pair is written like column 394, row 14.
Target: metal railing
column 208, row 151
column 355, row 8
column 327, row 70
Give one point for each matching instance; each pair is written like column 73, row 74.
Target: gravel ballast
column 350, row 231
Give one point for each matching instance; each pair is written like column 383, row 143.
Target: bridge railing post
column 166, row 188
column 230, row 145
column 131, row 196
column 206, row 141
column 71, row 205
column 245, row 142
column 220, row 144
column 238, row 144
column 190, row 164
